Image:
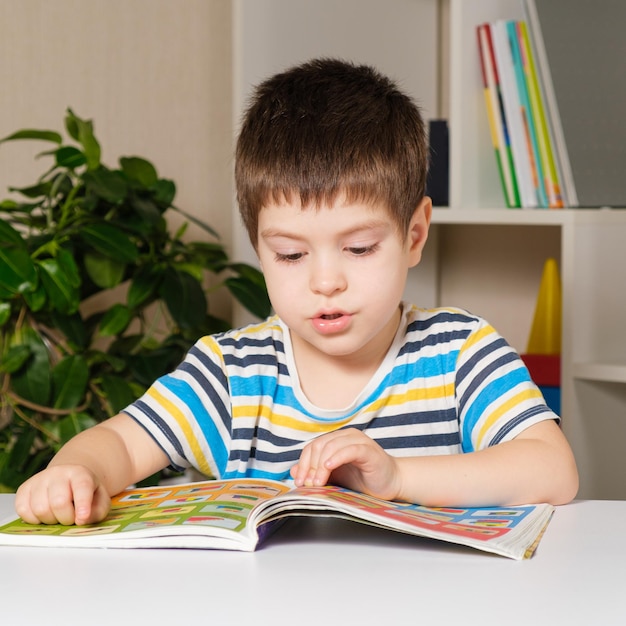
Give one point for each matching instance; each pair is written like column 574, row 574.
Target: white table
column 327, row 572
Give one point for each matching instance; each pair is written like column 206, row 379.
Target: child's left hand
column 351, row 459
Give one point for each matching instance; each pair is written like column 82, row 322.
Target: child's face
column 336, row 275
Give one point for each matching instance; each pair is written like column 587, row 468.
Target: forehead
column 338, row 215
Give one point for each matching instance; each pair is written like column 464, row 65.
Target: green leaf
column 8, row 234
column 250, row 294
column 8, row 205
column 72, row 326
column 5, row 312
column 139, row 170
column 36, row 299
column 164, row 192
column 184, row 298
column 144, row 285
column 197, row 222
column 34, row 191
column 211, row 255
column 82, row 131
column 118, row 393
column 103, row 270
column 15, row 357
column 69, row 382
column 110, row 241
column 33, row 380
column 72, row 424
column 68, row 266
column 69, row 156
column 17, row 270
column 115, row 320
column 42, row 135
column 248, row 272
column 21, row 449
column 62, row 292
column 109, row 185
column 148, row 366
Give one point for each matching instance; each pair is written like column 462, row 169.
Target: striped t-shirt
column 234, row 407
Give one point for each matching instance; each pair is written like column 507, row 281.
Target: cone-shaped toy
column 545, row 333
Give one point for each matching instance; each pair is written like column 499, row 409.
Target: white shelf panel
column 527, row 217
column 603, row 372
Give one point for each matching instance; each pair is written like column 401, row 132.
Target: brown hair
column 328, row 127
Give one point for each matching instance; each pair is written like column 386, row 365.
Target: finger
column 22, row 504
column 83, row 494
column 60, row 504
column 300, row 469
column 313, row 469
column 100, row 506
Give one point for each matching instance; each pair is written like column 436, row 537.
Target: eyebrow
column 270, row 233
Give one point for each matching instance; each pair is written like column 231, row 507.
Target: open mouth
column 331, row 316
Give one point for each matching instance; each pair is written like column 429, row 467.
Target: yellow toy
column 545, row 332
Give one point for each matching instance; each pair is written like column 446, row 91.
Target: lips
column 328, row 323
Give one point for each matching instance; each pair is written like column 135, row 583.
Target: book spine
column 530, row 133
column 493, row 101
column 564, row 169
column 513, row 113
column 552, row 184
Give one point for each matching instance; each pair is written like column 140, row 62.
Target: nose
column 327, row 277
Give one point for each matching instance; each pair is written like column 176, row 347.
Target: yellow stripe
column 270, row 324
column 173, row 410
column 527, row 394
column 476, row 337
column 421, row 393
column 414, row 395
column 285, row 420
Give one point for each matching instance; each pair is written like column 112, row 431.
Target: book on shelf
column 515, row 112
column 555, row 128
column 579, row 47
column 498, row 128
column 239, row 514
column 505, row 46
column 530, row 132
column 536, row 98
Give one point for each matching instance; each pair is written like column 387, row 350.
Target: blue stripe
column 509, row 426
column 163, row 427
column 209, row 389
column 256, row 473
column 440, row 340
column 188, row 396
column 493, row 390
column 489, row 367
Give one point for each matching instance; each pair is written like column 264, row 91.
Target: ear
column 418, row 230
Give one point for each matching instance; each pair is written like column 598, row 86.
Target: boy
column 346, row 384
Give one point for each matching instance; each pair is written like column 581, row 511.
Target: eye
column 294, row 257
column 363, row 250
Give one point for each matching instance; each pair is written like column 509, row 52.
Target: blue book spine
column 529, row 123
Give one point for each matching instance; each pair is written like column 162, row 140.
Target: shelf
column 603, row 372
column 527, row 217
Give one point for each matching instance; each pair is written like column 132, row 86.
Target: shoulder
column 255, row 343
column 441, row 320
column 451, row 331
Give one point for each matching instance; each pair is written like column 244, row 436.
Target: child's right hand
column 65, row 494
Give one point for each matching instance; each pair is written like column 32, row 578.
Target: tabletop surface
column 324, row 571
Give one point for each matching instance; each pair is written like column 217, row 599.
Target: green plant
column 67, row 361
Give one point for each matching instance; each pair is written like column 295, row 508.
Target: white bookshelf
column 480, row 255
column 590, row 245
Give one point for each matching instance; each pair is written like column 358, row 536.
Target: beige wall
column 155, row 76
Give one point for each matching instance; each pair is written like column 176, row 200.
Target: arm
column 536, row 466
column 77, row 485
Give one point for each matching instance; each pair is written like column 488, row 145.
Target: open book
column 237, row 514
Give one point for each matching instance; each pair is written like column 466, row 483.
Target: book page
column 509, row 531
column 213, row 508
